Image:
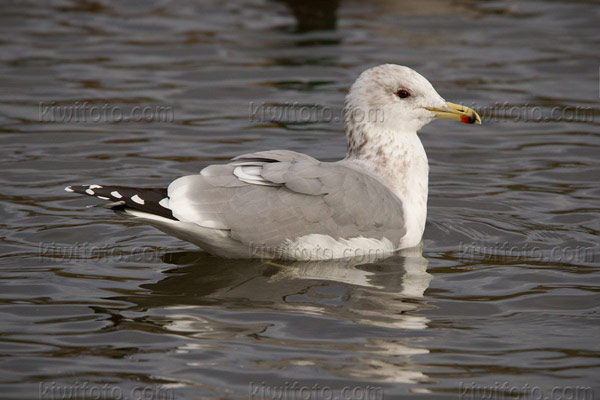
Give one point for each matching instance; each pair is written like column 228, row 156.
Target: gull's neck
column 399, row 160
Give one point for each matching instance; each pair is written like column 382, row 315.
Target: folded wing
column 266, row 198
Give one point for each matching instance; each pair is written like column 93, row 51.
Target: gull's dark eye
column 403, row 93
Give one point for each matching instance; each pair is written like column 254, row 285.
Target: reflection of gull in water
column 378, row 290
column 415, row 280
column 345, row 319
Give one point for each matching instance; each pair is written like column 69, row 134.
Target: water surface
column 504, row 294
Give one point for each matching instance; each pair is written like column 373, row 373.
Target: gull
column 288, row 205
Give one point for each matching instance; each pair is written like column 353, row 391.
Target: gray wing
column 267, row 197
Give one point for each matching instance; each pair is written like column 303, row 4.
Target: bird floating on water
column 284, row 204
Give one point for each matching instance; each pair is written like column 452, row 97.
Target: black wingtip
column 150, row 200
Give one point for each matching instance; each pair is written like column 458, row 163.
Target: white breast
column 414, row 195
column 400, row 161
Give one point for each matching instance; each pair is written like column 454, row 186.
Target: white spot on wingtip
column 90, row 192
column 95, row 187
column 164, row 203
column 69, row 189
column 116, row 194
column 103, row 198
column 138, row 199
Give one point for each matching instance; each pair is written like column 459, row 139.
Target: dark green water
column 503, row 301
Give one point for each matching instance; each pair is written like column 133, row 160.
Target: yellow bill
column 456, row 112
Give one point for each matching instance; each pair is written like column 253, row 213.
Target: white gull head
column 391, row 97
column 384, row 109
